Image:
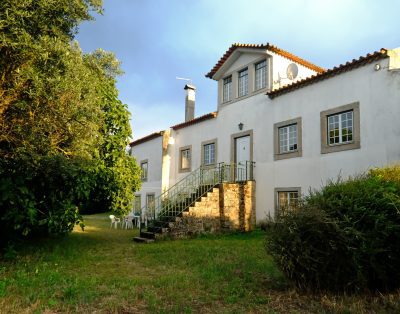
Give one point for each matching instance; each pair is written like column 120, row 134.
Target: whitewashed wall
column 378, row 94
column 152, row 151
column 192, row 135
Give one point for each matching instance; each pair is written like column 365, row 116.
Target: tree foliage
column 63, row 130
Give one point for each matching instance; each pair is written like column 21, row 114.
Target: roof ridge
column 204, row 117
column 146, row 138
column 348, row 66
column 267, row 46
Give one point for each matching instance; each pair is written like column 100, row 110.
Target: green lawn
column 103, row 270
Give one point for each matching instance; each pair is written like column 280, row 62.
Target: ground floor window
column 150, row 204
column 138, row 204
column 287, row 199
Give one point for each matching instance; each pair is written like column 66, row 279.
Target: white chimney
column 189, row 101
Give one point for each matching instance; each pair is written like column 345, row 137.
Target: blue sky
column 157, row 40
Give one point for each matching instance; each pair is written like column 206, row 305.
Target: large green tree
column 63, row 130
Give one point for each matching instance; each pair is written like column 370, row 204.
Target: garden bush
column 345, row 236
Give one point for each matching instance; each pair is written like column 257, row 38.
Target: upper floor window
column 209, row 152
column 185, row 160
column 144, row 167
column 227, row 89
column 340, row 128
column 288, row 138
column 243, row 83
column 261, row 74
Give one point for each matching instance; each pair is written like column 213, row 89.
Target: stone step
column 147, row 235
column 143, row 240
column 157, row 229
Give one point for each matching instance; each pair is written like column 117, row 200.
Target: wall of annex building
column 150, row 151
column 191, row 136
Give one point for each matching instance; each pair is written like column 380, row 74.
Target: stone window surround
column 251, row 81
column 215, row 141
column 144, row 161
column 238, row 135
column 189, row 147
column 355, row 144
column 296, row 153
column 284, row 189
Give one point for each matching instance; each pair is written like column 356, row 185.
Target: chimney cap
column 189, row 86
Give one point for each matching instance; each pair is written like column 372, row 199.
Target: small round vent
column 292, row 71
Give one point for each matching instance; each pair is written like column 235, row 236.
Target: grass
column 102, row 270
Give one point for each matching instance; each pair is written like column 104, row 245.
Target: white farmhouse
column 301, row 125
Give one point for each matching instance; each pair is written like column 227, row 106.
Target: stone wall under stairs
column 228, row 207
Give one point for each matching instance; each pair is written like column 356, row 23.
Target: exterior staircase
column 170, row 206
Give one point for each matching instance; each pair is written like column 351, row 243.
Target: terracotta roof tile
column 146, row 138
column 348, row 66
column 207, row 116
column 267, row 46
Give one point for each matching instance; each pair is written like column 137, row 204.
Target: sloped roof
column 267, row 46
column 348, row 66
column 146, row 138
column 207, row 116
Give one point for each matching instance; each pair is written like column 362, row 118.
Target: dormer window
column 243, row 83
column 227, row 89
column 261, row 71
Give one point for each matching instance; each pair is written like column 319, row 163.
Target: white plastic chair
column 128, row 224
column 115, row 221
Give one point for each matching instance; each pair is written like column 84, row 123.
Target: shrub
column 344, row 237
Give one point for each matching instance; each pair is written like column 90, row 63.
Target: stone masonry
column 228, row 207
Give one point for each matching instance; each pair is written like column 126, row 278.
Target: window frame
column 324, row 116
column 278, row 155
column 182, row 149
column 147, row 202
column 205, row 143
column 265, row 67
column 142, row 177
column 230, row 84
column 137, row 210
column 246, row 85
column 284, row 190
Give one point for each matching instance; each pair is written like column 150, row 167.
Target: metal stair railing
column 172, row 202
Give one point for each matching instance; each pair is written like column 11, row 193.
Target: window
column 287, row 199
column 144, row 167
column 227, row 89
column 138, row 204
column 185, row 160
column 150, row 204
column 340, row 128
column 288, row 139
column 261, row 74
column 209, row 152
column 243, row 82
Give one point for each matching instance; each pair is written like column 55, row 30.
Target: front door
column 242, row 156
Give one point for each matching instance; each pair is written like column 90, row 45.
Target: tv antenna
column 184, row 79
